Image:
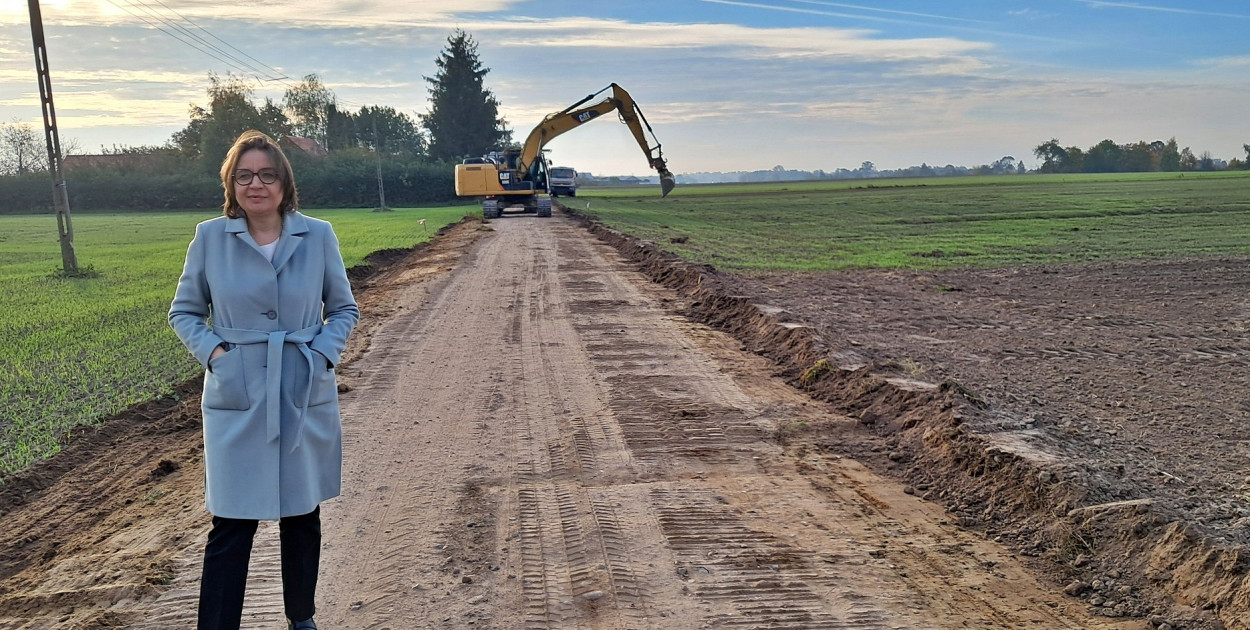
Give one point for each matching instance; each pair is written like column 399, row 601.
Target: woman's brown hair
column 249, row 140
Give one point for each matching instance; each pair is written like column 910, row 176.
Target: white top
column 269, row 249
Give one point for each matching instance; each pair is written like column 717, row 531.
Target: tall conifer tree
column 464, row 116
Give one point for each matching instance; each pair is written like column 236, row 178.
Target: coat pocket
column 324, row 388
column 225, row 384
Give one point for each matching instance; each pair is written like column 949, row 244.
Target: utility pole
column 377, row 153
column 60, row 197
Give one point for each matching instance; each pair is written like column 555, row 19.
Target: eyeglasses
column 243, row 177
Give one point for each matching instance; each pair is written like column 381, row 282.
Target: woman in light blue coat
column 265, row 305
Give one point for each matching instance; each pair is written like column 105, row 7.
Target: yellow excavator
column 517, row 176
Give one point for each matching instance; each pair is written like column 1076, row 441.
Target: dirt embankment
column 1054, row 479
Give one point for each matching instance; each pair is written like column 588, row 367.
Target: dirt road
column 533, row 440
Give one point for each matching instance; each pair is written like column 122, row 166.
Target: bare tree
column 22, row 151
column 308, row 106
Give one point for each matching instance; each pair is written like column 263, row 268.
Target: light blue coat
column 272, row 435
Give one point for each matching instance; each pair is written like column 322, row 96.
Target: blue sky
column 726, row 84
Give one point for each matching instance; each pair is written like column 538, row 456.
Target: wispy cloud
column 790, row 9
column 429, row 21
column 734, row 40
column 715, row 39
column 877, row 18
column 280, row 13
column 1148, row 7
column 857, row 7
column 117, row 76
column 1222, row 63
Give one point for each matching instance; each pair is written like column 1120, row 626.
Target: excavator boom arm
column 575, row 115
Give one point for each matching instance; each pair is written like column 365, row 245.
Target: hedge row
column 339, row 181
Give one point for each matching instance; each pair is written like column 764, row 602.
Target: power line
column 228, row 44
column 174, row 34
column 238, row 63
column 259, row 70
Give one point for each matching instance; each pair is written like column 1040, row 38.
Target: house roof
column 307, row 145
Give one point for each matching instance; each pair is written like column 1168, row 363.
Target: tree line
column 414, row 155
column 1104, row 157
column 1138, row 157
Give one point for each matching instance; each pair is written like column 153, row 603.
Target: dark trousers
column 225, row 569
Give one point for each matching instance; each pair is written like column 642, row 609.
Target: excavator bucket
column 667, row 183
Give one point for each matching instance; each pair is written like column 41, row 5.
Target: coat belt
column 273, row 370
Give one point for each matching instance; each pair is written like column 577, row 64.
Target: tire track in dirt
column 687, row 423
column 413, row 425
column 553, row 561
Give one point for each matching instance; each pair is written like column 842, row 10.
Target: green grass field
column 75, row 350
column 936, row 222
